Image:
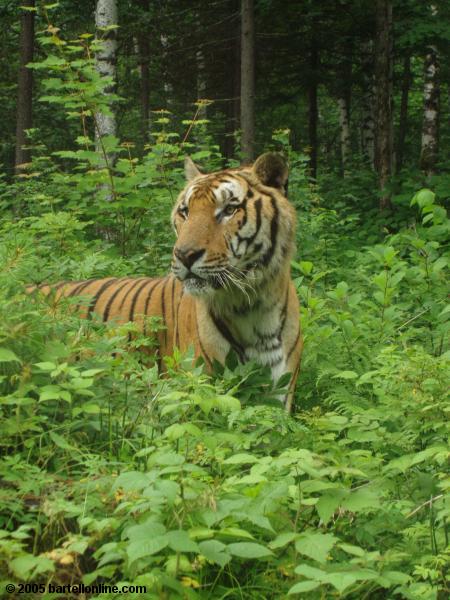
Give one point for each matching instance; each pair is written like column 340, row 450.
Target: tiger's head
column 233, row 227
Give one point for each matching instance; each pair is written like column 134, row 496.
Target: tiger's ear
column 191, row 170
column 272, row 170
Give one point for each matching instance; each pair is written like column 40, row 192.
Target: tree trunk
column 247, row 80
column 403, row 121
column 168, row 88
column 383, row 83
column 25, row 86
column 234, row 78
column 144, row 64
column 344, row 102
column 201, row 83
column 368, row 97
column 344, row 123
column 431, row 94
column 105, row 124
column 313, row 112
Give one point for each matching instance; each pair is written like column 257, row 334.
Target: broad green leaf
column 344, row 579
column 175, row 431
column 149, row 547
column 327, row 505
column 354, row 550
column 241, row 459
column 315, row 545
column 61, row 442
column 215, row 552
column 361, row 500
column 249, row 550
column 45, row 366
column 235, row 532
column 145, row 531
column 28, row 565
column 8, row 356
column 423, row 197
column 310, row 572
column 303, row 586
column 180, row 541
column 228, row 404
column 50, row 392
column 282, row 540
column 131, row 481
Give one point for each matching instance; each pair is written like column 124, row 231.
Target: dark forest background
column 197, row 485
column 358, row 84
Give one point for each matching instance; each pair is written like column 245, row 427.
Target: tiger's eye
column 229, row 210
column 183, row 211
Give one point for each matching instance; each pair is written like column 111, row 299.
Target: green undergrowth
column 200, row 486
column 194, row 486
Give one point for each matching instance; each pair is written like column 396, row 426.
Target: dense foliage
column 200, row 486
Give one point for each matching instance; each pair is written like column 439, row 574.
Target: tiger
column 230, row 287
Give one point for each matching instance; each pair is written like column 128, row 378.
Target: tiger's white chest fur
column 255, row 332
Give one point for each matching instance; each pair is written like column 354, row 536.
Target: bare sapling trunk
column 105, row 123
column 25, row 86
column 344, row 123
column 403, row 120
column 383, row 83
column 247, row 80
column 344, row 90
column 431, row 100
column 168, row 88
column 201, row 84
column 368, row 104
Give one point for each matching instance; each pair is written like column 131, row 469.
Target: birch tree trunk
column 25, row 86
column 368, row 102
column 431, row 96
column 403, row 120
column 247, row 79
column 144, row 64
column 383, row 83
column 105, row 124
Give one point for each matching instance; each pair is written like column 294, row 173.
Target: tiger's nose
column 187, row 256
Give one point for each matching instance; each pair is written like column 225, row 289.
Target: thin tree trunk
column 383, row 82
column 25, row 86
column 144, row 64
column 430, row 126
column 105, row 124
column 168, row 88
column 201, row 83
column 234, row 104
column 345, row 139
column 313, row 112
column 247, row 80
column 403, row 121
column 368, row 97
column 344, row 102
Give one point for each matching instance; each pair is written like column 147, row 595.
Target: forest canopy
column 197, row 484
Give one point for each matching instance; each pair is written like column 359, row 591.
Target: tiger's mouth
column 194, row 284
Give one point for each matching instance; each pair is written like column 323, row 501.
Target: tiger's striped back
column 128, row 299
